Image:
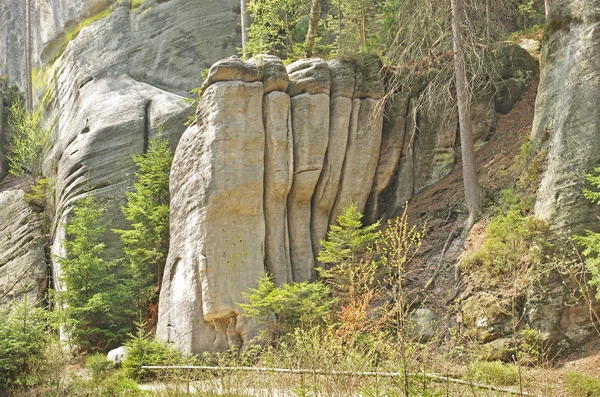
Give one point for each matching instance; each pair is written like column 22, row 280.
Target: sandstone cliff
column 567, row 117
column 272, row 159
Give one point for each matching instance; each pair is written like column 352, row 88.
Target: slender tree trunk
column 245, row 22
column 313, row 24
column 547, row 7
column 29, row 51
column 470, row 181
column 487, row 20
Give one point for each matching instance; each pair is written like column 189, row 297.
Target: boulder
column 423, row 324
column 232, row 69
column 310, row 76
column 392, row 142
column 117, row 356
column 310, row 123
column 362, row 156
column 340, row 110
column 275, row 76
column 516, row 70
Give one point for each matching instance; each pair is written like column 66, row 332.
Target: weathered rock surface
column 217, row 221
column 343, row 81
column 567, row 118
column 268, row 165
column 23, row 270
column 111, row 75
column 279, row 167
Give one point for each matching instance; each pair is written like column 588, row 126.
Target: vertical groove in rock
column 392, row 141
column 147, row 125
column 278, row 182
column 310, row 86
column 343, row 81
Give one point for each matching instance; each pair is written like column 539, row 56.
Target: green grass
column 581, row 385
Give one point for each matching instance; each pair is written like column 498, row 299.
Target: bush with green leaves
column 513, row 238
column 27, row 140
column 278, row 28
column 97, row 307
column 144, row 349
column 146, row 243
column 591, row 241
column 290, row 306
column 23, row 339
column 495, row 373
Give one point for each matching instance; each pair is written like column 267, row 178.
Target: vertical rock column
column 279, row 166
column 309, row 90
column 343, row 81
column 364, row 141
column 217, row 218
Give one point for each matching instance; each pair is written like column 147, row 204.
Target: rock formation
column 567, row 119
column 272, row 159
column 22, row 260
column 111, row 75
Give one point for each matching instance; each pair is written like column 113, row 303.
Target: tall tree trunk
column 245, row 19
column 471, row 184
column 547, row 7
column 29, row 52
column 313, row 24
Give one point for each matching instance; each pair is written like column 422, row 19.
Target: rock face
column 567, row 119
column 217, row 221
column 23, row 271
column 111, row 75
column 272, row 159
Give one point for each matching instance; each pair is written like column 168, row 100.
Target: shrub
column 513, row 238
column 99, row 366
column 591, row 241
column 27, row 140
column 283, row 309
column 581, row 385
column 344, row 253
column 143, row 349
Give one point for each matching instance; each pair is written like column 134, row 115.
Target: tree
column 146, row 244
column 23, row 339
column 343, row 252
column 446, row 50
column 313, row 23
column 97, row 307
column 547, row 4
column 245, row 24
column 591, row 241
column 27, row 141
column 470, row 181
column 276, row 28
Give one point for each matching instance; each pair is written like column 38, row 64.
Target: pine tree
column 344, row 251
column 146, row 244
column 96, row 306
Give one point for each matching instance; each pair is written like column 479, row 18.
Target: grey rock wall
column 22, row 261
column 567, row 117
